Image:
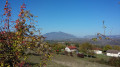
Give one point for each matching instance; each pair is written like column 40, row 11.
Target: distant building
column 97, row 51
column 70, row 48
column 113, row 53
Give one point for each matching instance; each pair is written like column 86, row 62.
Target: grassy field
column 98, row 57
column 34, row 61
column 66, row 61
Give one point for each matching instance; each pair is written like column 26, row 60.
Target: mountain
column 58, row 36
column 114, row 36
column 65, row 37
column 110, row 36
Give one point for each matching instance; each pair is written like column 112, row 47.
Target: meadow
column 67, row 61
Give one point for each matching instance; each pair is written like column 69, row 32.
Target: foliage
column 58, row 47
column 13, row 45
column 114, row 61
column 77, row 45
column 116, row 47
column 107, row 47
column 67, row 44
column 85, row 48
column 80, row 55
column 100, row 37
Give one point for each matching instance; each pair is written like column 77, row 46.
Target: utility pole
column 104, row 27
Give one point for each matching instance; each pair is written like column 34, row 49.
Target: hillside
column 58, row 36
column 61, row 36
column 110, row 36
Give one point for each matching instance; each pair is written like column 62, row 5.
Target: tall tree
column 107, row 47
column 13, row 44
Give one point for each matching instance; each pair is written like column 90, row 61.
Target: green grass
column 102, row 56
column 98, row 57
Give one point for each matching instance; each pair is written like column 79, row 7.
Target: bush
column 80, row 55
column 57, row 51
column 58, row 47
column 114, row 61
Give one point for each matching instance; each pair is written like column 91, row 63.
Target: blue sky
column 77, row 17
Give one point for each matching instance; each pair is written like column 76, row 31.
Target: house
column 113, row 53
column 97, row 51
column 70, row 48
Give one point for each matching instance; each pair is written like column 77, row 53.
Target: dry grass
column 75, row 62
column 65, row 61
column 34, row 61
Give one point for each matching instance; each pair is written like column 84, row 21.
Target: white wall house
column 70, row 48
column 97, row 51
column 113, row 53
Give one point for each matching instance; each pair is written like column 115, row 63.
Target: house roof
column 112, row 51
column 72, row 47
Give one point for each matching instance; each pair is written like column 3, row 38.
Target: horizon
column 76, row 17
column 78, row 36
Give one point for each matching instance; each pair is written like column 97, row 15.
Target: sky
column 77, row 17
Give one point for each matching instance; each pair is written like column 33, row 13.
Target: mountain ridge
column 61, row 36
column 58, row 36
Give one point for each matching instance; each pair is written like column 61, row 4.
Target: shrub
column 114, row 61
column 80, row 55
column 57, row 51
